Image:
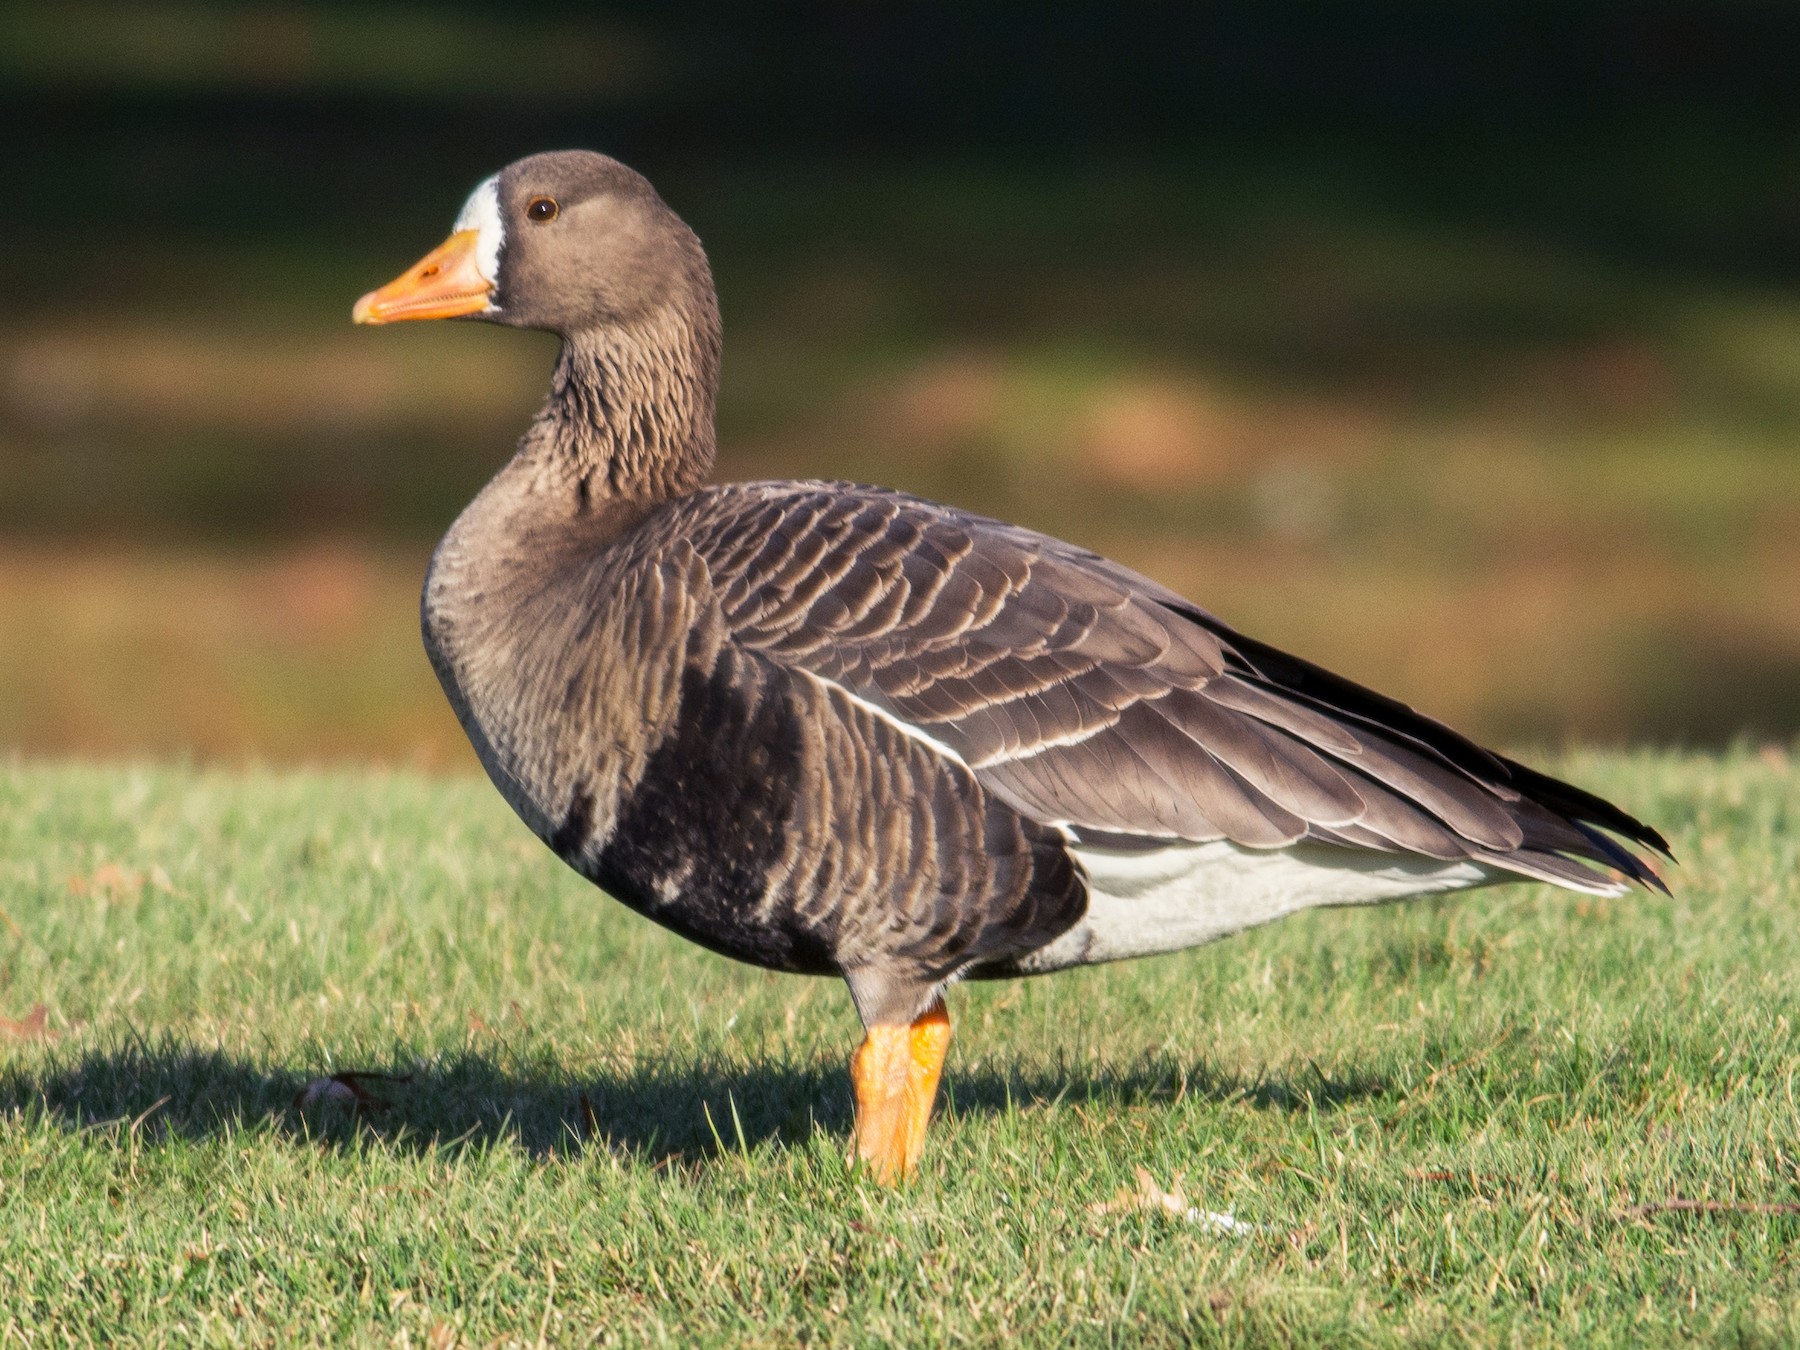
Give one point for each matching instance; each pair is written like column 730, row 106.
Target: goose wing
column 1086, row 695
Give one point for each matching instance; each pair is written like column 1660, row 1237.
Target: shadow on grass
column 658, row 1112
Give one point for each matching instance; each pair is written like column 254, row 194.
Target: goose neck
column 630, row 409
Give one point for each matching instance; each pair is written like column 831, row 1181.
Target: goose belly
column 1142, row 902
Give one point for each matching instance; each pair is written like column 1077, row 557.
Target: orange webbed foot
column 895, row 1074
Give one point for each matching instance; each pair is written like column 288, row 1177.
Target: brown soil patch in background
column 311, row 653
column 301, row 654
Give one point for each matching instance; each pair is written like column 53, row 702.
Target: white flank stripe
column 1040, row 747
column 883, row 715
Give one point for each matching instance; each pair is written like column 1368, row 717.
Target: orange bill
column 445, row 283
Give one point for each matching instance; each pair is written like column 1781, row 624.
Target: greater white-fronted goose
column 832, row 729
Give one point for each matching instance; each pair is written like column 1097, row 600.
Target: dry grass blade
column 1679, row 1206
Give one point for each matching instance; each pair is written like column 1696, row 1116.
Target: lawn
column 1452, row 1122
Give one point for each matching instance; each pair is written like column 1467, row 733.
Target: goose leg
column 895, row 1074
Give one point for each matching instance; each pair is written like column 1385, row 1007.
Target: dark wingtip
column 1624, row 861
column 1587, row 812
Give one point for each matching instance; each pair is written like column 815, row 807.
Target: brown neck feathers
column 630, row 410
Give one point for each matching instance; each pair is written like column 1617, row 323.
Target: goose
column 840, row 730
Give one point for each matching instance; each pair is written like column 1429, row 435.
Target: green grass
column 1437, row 1115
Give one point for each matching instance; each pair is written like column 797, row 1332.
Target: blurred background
column 1454, row 346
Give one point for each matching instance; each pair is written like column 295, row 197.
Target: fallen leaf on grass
column 346, row 1089
column 1149, row 1195
column 479, row 1024
column 33, row 1026
column 109, row 881
column 590, row 1123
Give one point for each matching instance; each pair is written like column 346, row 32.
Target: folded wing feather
column 1086, row 695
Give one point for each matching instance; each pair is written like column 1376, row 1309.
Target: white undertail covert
column 1141, row 902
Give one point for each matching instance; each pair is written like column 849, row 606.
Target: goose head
column 569, row 241
column 579, row 245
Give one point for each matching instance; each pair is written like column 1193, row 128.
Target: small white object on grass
column 1149, row 1195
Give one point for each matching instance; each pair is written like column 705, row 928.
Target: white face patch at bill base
column 481, row 213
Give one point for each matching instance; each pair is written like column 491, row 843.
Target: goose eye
column 541, row 209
